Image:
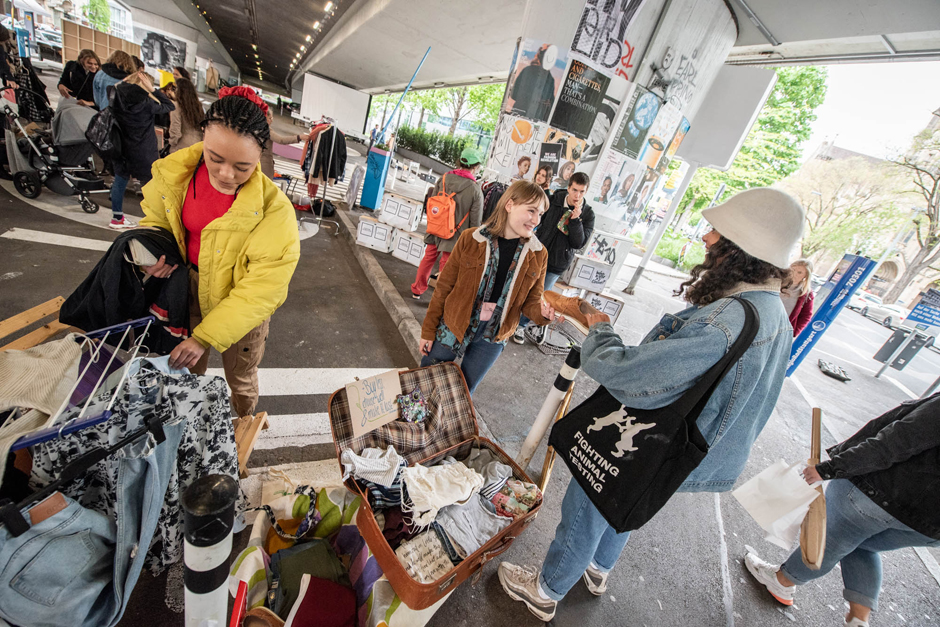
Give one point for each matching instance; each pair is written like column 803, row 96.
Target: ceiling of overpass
column 375, row 45
column 279, row 28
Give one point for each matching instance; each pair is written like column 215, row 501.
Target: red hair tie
column 245, row 92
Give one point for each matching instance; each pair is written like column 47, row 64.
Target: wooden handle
column 815, row 443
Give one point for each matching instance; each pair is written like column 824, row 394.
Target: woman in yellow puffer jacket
column 238, row 233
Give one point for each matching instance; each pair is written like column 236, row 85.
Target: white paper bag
column 778, row 499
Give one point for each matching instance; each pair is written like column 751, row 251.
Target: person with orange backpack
column 455, row 205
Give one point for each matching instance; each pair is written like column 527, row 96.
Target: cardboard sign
column 373, row 401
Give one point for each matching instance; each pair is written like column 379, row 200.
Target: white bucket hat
column 765, row 223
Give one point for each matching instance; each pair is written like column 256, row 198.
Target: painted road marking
column 41, row 237
column 306, row 381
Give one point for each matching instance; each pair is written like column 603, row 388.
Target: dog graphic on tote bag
column 628, row 429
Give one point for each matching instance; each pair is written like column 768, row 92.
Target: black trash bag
column 325, row 206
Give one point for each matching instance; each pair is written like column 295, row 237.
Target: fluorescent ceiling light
column 316, row 26
column 329, row 7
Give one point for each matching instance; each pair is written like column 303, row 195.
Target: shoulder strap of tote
column 694, row 400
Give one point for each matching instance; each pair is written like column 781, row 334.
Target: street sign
column 849, row 275
column 927, row 310
column 911, row 348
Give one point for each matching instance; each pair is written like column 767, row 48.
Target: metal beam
column 199, row 23
column 862, row 57
column 757, row 22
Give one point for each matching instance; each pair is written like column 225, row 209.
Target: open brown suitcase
column 449, row 429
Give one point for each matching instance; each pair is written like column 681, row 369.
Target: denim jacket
column 679, row 350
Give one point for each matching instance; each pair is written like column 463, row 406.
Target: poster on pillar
column 659, row 136
column 537, row 75
column 515, row 153
column 570, row 150
column 642, row 109
column 680, row 134
column 601, row 35
column 613, row 185
column 581, row 97
column 550, row 155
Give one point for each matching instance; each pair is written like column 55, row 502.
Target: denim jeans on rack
column 78, row 567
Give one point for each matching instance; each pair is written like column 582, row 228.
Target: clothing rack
column 80, row 422
column 11, row 515
column 319, row 219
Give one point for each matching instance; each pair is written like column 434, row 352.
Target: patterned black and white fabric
column 207, row 447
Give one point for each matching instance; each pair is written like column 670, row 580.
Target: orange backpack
column 441, row 211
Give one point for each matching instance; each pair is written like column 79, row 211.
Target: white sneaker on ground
column 519, row 336
column 766, row 573
column 126, row 223
column 856, row 622
column 522, row 584
column 595, row 580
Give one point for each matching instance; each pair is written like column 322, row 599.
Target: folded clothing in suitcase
column 448, row 430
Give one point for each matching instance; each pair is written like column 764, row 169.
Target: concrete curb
column 395, row 305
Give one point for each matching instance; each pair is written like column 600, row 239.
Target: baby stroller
column 60, row 159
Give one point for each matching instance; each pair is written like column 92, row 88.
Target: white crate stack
column 606, row 303
column 397, row 221
column 599, row 263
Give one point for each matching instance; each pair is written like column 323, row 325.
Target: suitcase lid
column 451, row 418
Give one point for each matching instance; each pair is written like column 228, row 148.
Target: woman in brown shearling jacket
column 495, row 274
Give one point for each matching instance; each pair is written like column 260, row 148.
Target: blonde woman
column 495, row 274
column 797, row 294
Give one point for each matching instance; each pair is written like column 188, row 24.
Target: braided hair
column 241, row 114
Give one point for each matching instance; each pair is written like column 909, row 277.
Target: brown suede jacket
column 459, row 282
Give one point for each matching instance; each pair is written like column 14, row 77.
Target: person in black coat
column 78, row 78
column 883, row 496
column 565, row 227
column 136, row 104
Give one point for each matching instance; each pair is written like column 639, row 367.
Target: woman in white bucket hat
column 747, row 256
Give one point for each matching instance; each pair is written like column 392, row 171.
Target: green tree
column 482, row 101
column 851, row 204
column 429, row 101
column 922, row 166
column 773, row 148
column 98, row 14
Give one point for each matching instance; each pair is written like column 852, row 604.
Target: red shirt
column 202, row 205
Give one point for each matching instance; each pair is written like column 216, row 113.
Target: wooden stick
column 813, row 529
column 550, row 453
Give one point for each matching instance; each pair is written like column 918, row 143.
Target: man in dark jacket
column 884, row 495
column 565, row 227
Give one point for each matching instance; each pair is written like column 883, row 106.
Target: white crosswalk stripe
column 41, row 237
column 306, row 381
column 295, row 430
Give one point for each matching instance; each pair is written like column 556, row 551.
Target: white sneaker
column 766, row 573
column 856, row 622
column 519, row 336
column 126, row 223
column 522, row 584
column 595, row 580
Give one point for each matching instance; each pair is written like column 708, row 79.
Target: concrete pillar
column 609, row 87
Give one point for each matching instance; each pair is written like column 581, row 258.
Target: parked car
column 890, row 316
column 816, row 282
column 860, row 300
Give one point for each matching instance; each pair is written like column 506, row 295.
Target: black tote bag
column 631, row 461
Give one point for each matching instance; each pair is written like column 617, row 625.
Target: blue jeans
column 118, row 187
column 78, row 563
column 857, row 531
column 582, row 537
column 477, row 359
column 550, row 279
